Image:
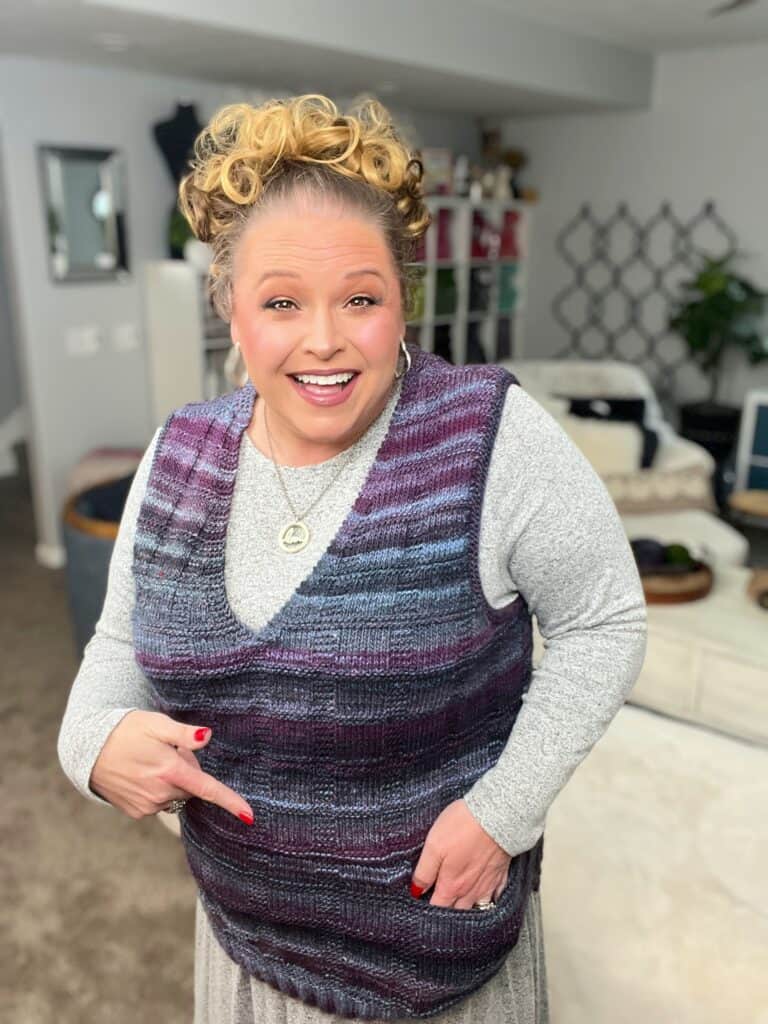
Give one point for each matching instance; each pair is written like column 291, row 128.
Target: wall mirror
column 84, row 195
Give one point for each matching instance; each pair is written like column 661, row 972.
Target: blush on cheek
column 376, row 337
column 266, row 348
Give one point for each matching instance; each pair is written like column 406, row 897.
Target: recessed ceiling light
column 113, row 41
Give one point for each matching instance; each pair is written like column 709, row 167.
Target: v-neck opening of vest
column 263, row 634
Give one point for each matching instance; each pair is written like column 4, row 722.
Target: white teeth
column 335, row 378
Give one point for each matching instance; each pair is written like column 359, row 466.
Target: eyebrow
column 291, row 273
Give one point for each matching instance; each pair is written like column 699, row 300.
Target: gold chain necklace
column 295, row 534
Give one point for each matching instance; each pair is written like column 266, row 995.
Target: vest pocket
column 493, row 912
column 466, row 937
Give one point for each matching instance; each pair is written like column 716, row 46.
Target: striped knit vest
column 373, row 698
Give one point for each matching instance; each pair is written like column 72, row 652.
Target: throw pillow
column 622, row 410
column 611, row 447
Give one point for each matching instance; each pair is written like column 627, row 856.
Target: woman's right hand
column 147, row 761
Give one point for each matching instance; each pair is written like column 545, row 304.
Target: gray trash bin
column 90, row 522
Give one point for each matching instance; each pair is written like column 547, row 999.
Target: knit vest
column 374, row 697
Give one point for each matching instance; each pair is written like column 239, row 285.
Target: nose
column 324, row 337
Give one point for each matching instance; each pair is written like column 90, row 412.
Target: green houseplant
column 179, row 232
column 720, row 308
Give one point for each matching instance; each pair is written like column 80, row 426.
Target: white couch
column 681, row 474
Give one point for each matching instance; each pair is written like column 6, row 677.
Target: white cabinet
column 187, row 343
column 470, row 304
column 174, row 335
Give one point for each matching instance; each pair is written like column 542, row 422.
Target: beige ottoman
column 707, row 536
column 707, row 660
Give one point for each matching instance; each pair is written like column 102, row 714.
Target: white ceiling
column 579, row 53
column 455, row 56
column 655, row 25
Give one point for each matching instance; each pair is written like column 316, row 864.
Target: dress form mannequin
column 175, row 138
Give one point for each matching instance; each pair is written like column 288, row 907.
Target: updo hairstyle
column 247, row 157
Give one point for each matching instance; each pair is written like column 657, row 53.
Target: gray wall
column 75, row 404
column 10, row 383
column 704, row 138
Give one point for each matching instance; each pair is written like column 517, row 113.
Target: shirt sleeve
column 109, row 682
column 551, row 532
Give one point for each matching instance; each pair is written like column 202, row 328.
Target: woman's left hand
column 465, row 865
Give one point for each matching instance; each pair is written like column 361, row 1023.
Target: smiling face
column 315, row 291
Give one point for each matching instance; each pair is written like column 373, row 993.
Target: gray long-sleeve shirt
column 549, row 530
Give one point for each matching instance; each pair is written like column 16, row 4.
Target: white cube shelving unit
column 472, row 297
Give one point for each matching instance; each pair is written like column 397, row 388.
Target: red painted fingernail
column 201, row 734
column 247, row 818
column 416, row 890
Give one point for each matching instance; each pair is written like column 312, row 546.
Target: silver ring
column 485, row 905
column 174, row 806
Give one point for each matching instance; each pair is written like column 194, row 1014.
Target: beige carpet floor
column 653, row 887
column 98, row 909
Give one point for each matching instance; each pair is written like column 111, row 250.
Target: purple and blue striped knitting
column 379, row 692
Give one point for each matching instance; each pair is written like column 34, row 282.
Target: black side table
column 716, row 428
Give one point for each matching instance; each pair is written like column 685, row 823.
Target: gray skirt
column 226, row 994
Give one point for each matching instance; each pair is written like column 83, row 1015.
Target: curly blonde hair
column 249, row 156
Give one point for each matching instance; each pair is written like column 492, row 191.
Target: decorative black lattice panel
column 625, row 281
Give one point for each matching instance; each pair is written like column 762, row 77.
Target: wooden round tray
column 676, row 586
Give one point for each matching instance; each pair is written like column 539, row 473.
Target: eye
column 274, row 303
column 367, row 299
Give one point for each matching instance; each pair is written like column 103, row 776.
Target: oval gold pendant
column 294, row 537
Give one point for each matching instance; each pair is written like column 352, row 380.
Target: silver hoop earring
column 407, row 355
column 235, row 369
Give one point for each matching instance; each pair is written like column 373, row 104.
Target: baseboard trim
column 51, row 556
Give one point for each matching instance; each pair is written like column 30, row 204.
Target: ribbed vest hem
column 346, row 999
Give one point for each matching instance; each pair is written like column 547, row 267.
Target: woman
column 316, row 640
